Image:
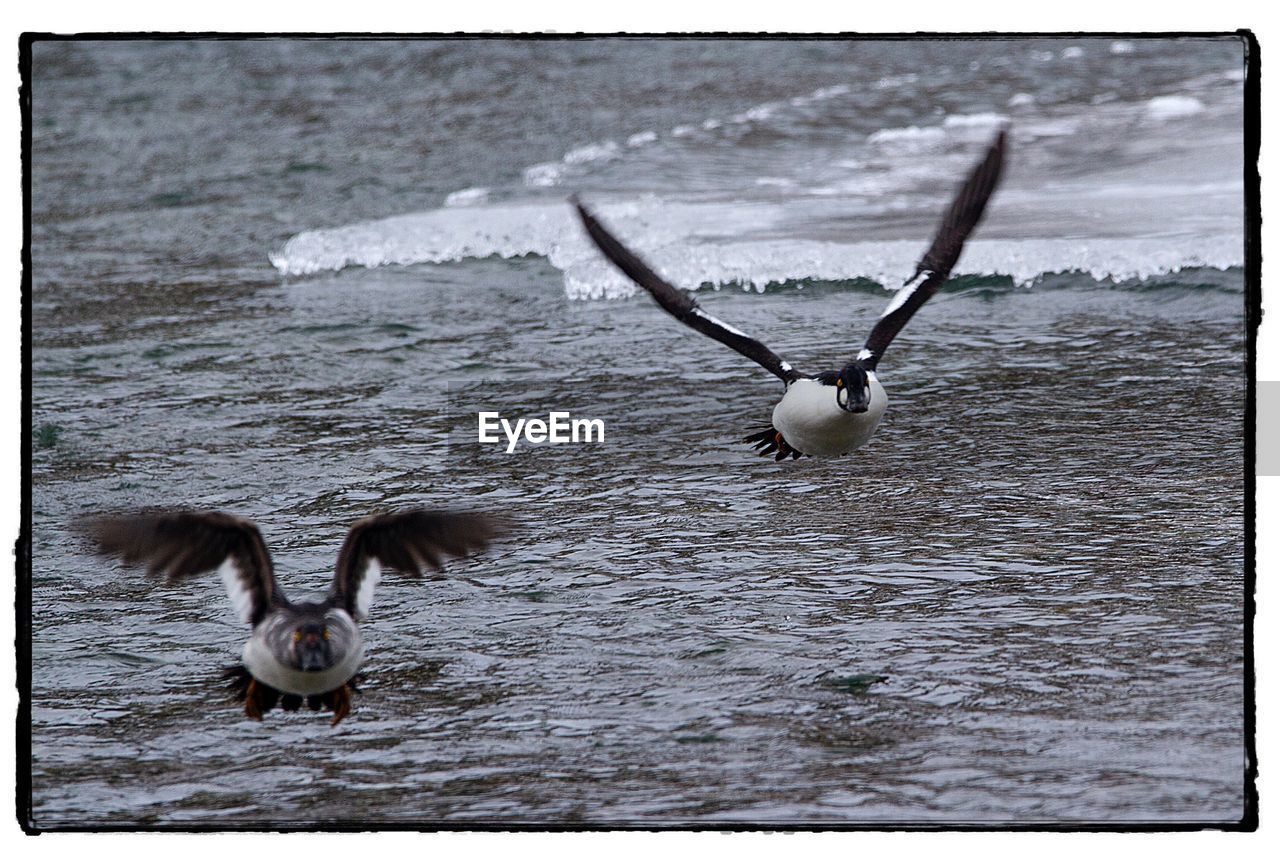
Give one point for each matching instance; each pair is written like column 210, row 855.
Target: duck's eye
column 325, row 635
column 839, row 382
column 297, row 635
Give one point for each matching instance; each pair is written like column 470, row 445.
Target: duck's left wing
column 961, row 217
column 181, row 544
column 680, row 303
column 405, row 542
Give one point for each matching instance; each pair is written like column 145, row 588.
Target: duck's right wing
column 405, row 542
column 961, row 217
column 181, row 544
column 680, row 303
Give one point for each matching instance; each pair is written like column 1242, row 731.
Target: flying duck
column 834, row 412
column 298, row 651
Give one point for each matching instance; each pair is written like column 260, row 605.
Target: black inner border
column 1248, row 821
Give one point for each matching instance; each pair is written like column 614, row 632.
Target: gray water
column 1022, row 602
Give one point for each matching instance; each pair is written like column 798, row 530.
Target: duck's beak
column 854, row 399
column 313, row 653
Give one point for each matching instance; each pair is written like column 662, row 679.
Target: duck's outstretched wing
column 680, row 303
column 405, row 542
column 181, row 544
column 964, row 213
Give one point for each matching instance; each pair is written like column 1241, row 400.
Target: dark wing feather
column 680, row 303
column 962, row 216
column 406, row 542
column 181, row 544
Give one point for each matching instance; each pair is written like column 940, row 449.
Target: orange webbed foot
column 341, row 701
column 251, row 707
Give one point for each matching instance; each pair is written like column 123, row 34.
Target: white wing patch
column 716, row 321
column 241, row 595
column 364, row 597
column 864, row 354
column 900, row 298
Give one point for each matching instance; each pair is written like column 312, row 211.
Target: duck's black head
column 311, row 648
column 852, row 385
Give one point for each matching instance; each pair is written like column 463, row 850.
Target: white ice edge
column 552, row 231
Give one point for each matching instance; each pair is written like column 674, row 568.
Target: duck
column 834, row 412
column 311, row 650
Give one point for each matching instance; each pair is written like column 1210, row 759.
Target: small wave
column 1173, row 106
column 468, row 196
column 607, row 150
column 642, row 139
column 894, row 81
column 552, row 173
column 543, row 175
column 911, row 135
column 974, row 120
column 829, row 92
column 758, row 113
column 824, row 94
column 1121, row 47
column 1048, row 128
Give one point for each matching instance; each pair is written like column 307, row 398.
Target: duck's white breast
column 810, row 420
column 264, row 666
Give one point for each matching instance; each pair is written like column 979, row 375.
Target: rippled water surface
column 1021, row 602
